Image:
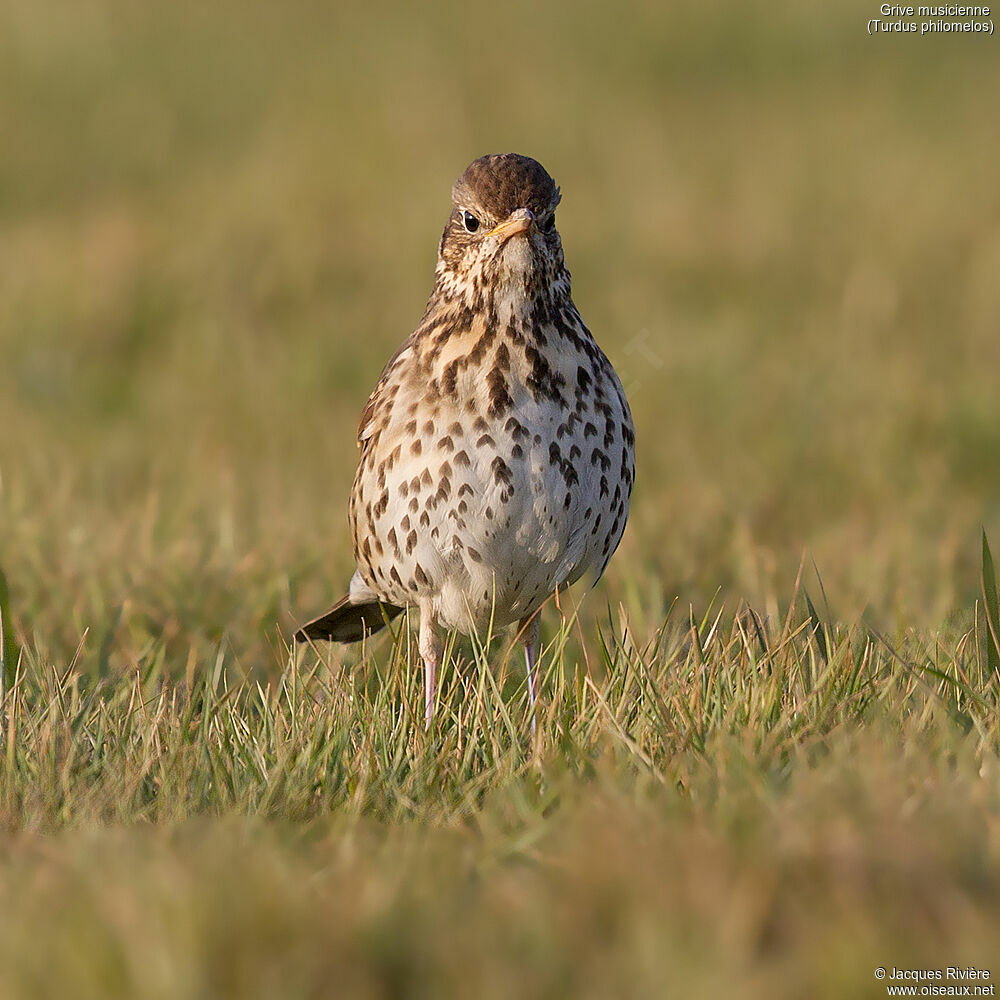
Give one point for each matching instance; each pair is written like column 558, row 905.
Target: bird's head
column 501, row 236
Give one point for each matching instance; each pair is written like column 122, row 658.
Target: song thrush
column 497, row 447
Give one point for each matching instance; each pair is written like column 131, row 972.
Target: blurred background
column 218, row 220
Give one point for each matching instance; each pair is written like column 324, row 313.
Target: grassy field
column 767, row 759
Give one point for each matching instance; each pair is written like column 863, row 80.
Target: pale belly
column 479, row 521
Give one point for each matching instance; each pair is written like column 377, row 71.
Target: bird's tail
column 349, row 621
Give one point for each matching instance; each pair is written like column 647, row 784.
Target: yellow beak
column 519, row 222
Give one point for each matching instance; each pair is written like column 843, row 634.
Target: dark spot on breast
column 542, row 381
column 501, row 472
column 515, row 428
column 463, row 319
column 500, row 398
column 478, row 352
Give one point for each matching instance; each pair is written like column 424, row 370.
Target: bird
column 497, row 447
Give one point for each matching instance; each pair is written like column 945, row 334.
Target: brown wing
column 373, row 400
column 427, row 325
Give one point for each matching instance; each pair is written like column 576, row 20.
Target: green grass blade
column 9, row 650
column 819, row 631
column 992, row 609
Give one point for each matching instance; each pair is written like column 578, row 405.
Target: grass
column 694, row 810
column 215, row 225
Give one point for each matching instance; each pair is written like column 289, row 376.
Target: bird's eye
column 470, row 222
column 549, row 224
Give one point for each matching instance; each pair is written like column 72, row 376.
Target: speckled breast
column 494, row 469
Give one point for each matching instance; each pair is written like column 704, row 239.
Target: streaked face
column 502, row 227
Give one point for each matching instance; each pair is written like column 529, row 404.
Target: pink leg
column 530, row 638
column 430, row 652
column 430, row 686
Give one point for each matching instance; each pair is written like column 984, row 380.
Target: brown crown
column 503, row 182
